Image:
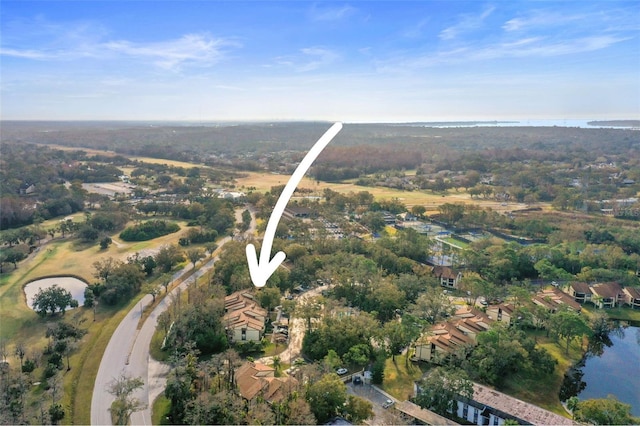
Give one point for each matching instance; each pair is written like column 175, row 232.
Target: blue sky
column 351, row 61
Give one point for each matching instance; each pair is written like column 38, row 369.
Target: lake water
column 73, row 285
column 616, row 371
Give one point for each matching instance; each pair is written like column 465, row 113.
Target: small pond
column 613, row 370
column 73, row 285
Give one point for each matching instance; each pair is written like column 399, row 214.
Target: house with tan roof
column 581, row 292
column 632, row 297
column 447, row 337
column 447, row 276
column 244, row 318
column 255, row 380
column 607, row 295
column 553, row 299
column 502, row 312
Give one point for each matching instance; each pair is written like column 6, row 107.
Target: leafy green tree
column 326, row 397
column 52, row 300
column 13, row 255
column 56, row 413
column 605, row 411
column 168, row 257
column 498, row 354
column 568, row 325
column 438, row 390
column 395, row 336
column 331, row 361
column 105, row 242
column 374, row 221
column 269, row 297
column 358, row 409
column 194, row 255
column 358, row 355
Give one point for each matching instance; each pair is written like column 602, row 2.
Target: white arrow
column 260, row 272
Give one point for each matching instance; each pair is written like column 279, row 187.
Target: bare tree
column 20, row 351
column 124, row 405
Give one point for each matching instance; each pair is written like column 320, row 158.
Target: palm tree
column 277, row 365
column 572, row 404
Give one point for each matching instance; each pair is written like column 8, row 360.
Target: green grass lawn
column 399, row 377
column 160, row 410
column 455, row 242
column 621, row 314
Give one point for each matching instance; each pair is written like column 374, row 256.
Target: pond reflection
column 611, row 366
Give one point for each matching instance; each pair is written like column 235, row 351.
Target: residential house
column 581, row 292
column 632, row 296
column 553, row 299
column 490, row 407
column 256, row 380
column 448, row 276
column 389, row 218
column 502, row 312
column 244, row 319
column 447, row 337
column 27, row 188
column 607, row 295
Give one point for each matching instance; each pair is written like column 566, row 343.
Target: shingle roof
column 523, row 410
column 580, row 287
column 607, row 290
column 634, row 292
column 444, row 272
column 552, row 299
column 243, row 311
column 252, row 378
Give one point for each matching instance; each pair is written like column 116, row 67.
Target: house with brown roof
column 502, row 312
column 607, row 295
column 553, row 299
column 244, row 319
column 490, row 407
column 255, row 380
column 581, row 292
column 448, row 277
column 447, row 337
column 632, row 297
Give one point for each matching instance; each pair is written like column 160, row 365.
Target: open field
column 263, row 182
column 173, row 163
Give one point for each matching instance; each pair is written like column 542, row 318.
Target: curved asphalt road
column 128, row 352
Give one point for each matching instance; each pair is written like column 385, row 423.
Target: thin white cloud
column 194, row 49
column 309, row 59
column 415, row 31
column 48, row 41
column 319, row 58
column 529, row 47
column 323, row 13
column 537, row 19
column 466, row 24
column 24, row 54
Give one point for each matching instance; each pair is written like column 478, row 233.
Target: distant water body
column 583, row 124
